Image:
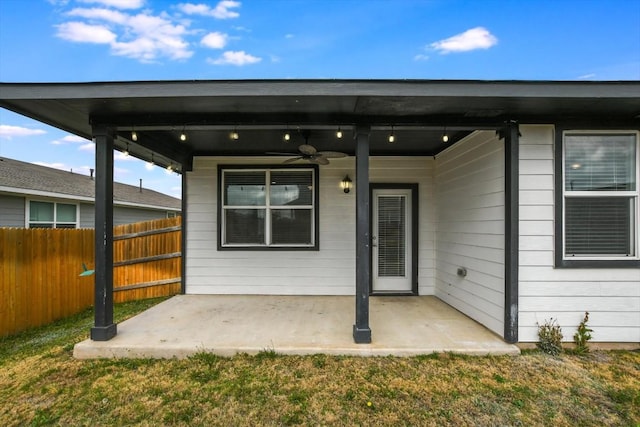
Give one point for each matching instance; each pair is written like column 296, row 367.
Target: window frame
column 315, row 208
column 55, row 222
column 561, row 259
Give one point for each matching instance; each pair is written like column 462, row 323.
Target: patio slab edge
column 92, row 350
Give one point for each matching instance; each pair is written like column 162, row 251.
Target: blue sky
column 103, row 40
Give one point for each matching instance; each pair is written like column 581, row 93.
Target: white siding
column 469, row 199
column 611, row 296
column 329, row 271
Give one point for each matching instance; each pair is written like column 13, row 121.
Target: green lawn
column 42, row 384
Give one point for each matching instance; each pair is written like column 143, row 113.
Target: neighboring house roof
column 28, row 178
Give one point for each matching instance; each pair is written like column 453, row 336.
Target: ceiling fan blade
column 308, row 150
column 319, row 160
column 332, row 154
column 293, row 159
column 279, row 153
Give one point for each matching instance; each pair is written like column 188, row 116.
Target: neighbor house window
column 268, row 208
column 600, row 195
column 52, row 215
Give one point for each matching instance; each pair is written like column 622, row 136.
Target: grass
column 42, row 384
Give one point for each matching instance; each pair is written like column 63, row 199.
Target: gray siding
column 12, row 211
column 87, row 217
column 121, row 215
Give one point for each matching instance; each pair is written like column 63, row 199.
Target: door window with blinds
column 268, row 208
column 391, row 226
column 600, row 191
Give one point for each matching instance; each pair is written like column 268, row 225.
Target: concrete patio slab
column 231, row 324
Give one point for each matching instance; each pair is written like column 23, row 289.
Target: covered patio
column 299, row 325
column 452, row 147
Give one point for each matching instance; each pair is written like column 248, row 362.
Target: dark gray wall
column 121, row 215
column 12, row 211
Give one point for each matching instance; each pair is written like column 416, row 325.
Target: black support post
column 183, row 243
column 512, row 230
column 104, row 329
column 361, row 329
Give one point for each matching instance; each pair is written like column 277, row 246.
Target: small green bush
column 550, row 337
column 582, row 336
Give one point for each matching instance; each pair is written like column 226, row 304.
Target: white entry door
column 391, row 242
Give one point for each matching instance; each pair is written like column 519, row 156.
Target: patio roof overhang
column 261, row 110
column 418, row 110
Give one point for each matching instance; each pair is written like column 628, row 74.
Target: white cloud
column 120, row 156
column 289, row 36
column 142, row 36
column 220, row 11
column 589, row 76
column 89, row 146
column 238, row 58
column 85, row 33
column 119, row 4
column 214, row 40
column 102, row 14
column 475, row 38
column 421, row 57
column 120, row 171
column 194, row 9
column 69, row 139
column 9, row 132
column 56, row 165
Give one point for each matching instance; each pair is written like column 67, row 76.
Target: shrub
column 582, row 336
column 550, row 337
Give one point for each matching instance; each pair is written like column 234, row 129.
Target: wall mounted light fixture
column 183, row 135
column 234, row 135
column 339, row 133
column 126, row 150
column 134, row 134
column 346, row 184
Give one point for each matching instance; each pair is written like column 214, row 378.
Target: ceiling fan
column 310, row 154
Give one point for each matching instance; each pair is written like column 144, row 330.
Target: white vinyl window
column 268, row 208
column 52, row 215
column 600, row 212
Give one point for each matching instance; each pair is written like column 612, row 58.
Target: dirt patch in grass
column 46, row 386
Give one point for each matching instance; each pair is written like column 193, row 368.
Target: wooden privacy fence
column 39, row 269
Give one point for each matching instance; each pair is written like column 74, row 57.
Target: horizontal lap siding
column 329, row 271
column 611, row 296
column 12, row 211
column 121, row 215
column 469, row 199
